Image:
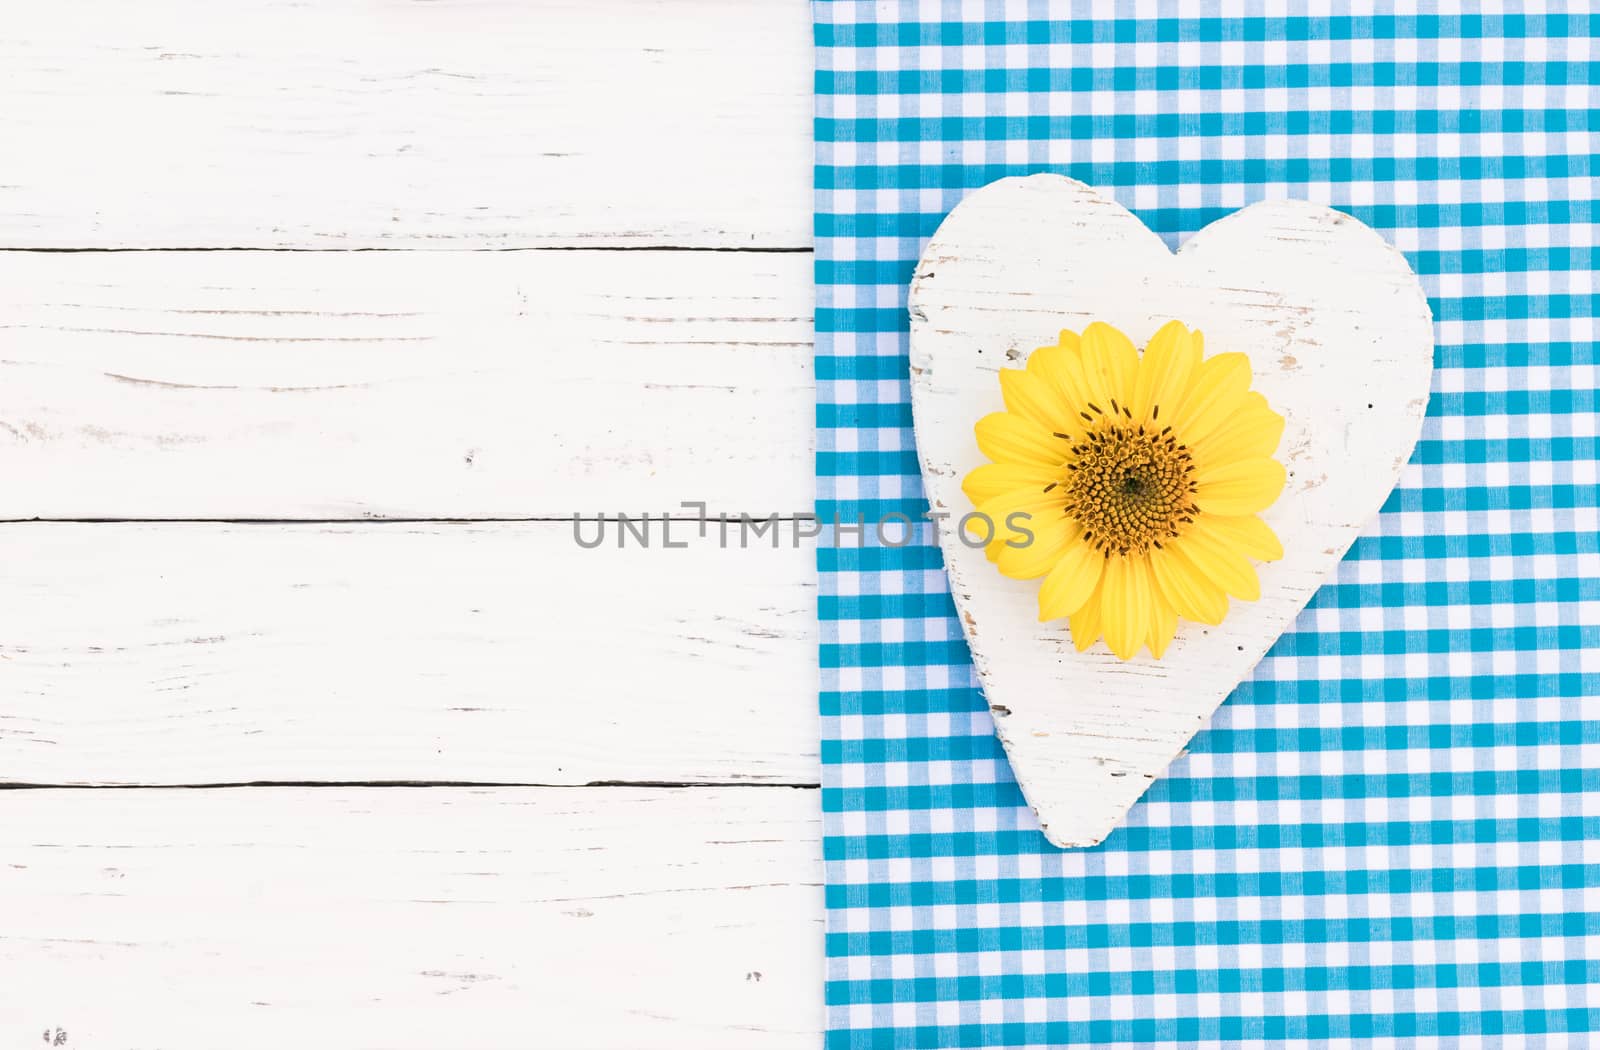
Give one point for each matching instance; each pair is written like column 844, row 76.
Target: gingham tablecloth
column 1390, row 834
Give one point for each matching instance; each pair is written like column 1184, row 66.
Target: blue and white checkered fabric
column 1390, row 835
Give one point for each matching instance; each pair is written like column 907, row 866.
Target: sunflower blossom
column 1130, row 484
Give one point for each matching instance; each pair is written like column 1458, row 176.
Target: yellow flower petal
column 1163, row 623
column 1213, row 396
column 1085, row 623
column 1000, row 510
column 1007, row 438
column 1125, row 603
column 1034, row 398
column 1218, row 562
column 1066, row 344
column 1117, row 354
column 1179, row 411
column 1190, row 591
column 1062, row 367
column 1164, row 372
column 992, row 479
column 1106, row 354
column 1051, row 537
column 1046, row 361
column 1244, row 486
column 1072, row 581
column 1248, row 534
column 1254, row 430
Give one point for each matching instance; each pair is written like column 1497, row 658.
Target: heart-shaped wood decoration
column 1340, row 341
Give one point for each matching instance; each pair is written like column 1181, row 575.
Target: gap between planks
column 692, row 248
column 585, row 517
column 227, row 785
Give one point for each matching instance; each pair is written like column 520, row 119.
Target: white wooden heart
column 1340, row 341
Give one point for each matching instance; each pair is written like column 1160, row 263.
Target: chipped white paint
column 200, row 653
column 403, row 384
column 379, row 123
column 412, row 919
column 1340, row 339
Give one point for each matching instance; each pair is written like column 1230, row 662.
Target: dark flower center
column 1130, row 487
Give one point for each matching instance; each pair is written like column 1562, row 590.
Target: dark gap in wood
column 230, row 784
column 713, row 522
column 752, row 250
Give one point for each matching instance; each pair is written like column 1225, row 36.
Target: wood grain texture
column 403, row 384
column 186, row 654
column 381, row 123
column 332, row 384
column 1340, row 340
column 412, row 918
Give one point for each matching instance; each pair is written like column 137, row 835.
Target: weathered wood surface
column 411, row 918
column 1340, row 340
column 403, row 384
column 443, row 383
column 200, row 653
column 356, row 124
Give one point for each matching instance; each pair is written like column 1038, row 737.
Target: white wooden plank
column 418, row 918
column 1340, row 342
column 199, row 653
column 369, row 123
column 403, row 384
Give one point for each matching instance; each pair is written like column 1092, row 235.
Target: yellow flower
column 1139, row 478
